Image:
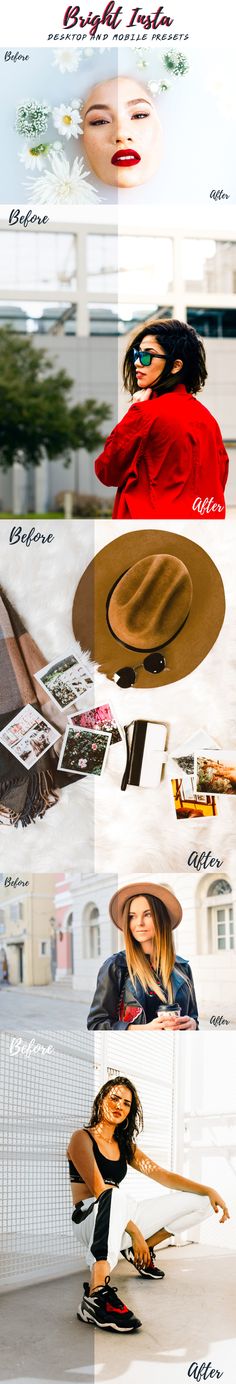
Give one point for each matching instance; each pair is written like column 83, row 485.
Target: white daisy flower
column 142, row 63
column 67, row 61
column 154, row 87
column 60, row 183
column 157, row 88
column 67, row 120
column 34, row 156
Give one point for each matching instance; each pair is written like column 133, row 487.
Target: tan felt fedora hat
column 144, row 887
column 146, row 591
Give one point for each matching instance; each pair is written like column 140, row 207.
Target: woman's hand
column 140, row 1248
column 140, row 396
column 183, row 1021
column 218, row 1204
column 172, row 1021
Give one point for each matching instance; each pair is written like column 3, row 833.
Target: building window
column 219, row 886
column 14, row 912
column 2, row 920
column 220, row 916
column 91, row 932
column 43, row 948
column 225, row 929
column 212, row 322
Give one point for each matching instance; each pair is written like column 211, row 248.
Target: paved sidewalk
column 54, row 1006
column 188, row 1317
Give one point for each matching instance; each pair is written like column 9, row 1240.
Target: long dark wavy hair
column 127, row 1132
column 179, row 342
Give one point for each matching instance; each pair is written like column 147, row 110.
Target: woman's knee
column 207, row 1207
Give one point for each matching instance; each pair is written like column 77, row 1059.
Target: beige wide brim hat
column 144, row 887
column 149, row 589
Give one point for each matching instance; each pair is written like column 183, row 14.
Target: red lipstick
column 126, row 158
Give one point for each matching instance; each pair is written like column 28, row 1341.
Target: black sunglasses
column 153, row 663
column 145, row 357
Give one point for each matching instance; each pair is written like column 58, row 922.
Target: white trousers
column 103, row 1234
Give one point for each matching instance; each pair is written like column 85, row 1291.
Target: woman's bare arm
column 80, row 1150
column 175, row 1182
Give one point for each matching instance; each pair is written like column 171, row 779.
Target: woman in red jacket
column 166, row 457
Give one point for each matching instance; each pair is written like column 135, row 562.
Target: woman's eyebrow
column 100, row 106
column 139, row 100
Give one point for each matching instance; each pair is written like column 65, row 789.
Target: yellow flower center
column 67, row 120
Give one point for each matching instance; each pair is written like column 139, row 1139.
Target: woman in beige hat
column 147, row 984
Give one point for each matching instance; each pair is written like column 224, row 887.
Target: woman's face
column 116, row 1104
column 148, row 375
column 121, row 132
column 141, row 923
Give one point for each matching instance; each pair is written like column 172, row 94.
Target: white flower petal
column 67, row 61
column 33, row 159
column 67, row 120
column 60, row 183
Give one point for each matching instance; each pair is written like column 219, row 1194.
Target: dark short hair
column 127, row 1131
column 179, row 341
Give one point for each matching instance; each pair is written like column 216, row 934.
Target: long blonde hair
column 163, row 952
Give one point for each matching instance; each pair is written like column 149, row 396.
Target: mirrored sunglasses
column 145, row 357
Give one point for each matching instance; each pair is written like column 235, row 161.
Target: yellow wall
column 33, row 896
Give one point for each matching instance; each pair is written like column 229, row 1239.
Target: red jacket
column 165, row 454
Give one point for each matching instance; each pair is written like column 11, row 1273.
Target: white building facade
column 79, row 290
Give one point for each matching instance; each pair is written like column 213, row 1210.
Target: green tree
column 35, row 410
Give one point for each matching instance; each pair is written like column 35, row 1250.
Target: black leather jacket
column 117, row 1002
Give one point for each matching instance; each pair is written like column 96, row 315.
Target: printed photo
column 84, row 751
column 187, row 803
column 98, row 718
column 28, row 736
column 215, row 772
column 64, row 680
column 184, row 756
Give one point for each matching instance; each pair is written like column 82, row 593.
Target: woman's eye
column 100, row 121
column 140, row 115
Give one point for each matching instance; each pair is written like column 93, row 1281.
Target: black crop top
column 112, row 1170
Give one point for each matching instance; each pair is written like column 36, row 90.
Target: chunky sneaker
column 148, row 1270
column 103, row 1308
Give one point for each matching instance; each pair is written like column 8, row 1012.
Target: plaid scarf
column 24, row 794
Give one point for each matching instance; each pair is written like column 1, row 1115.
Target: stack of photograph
column 117, row 694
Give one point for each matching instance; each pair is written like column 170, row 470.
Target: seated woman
column 107, row 1220
column 166, row 456
column 147, row 984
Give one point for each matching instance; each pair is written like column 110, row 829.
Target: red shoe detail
column 121, row 1310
